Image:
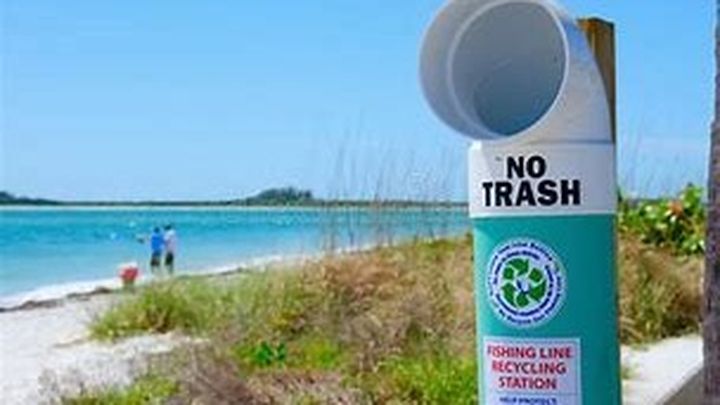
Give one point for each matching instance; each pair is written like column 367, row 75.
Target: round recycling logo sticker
column 525, row 282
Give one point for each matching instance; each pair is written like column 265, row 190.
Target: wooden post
column 601, row 37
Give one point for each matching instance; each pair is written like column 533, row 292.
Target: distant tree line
column 281, row 196
column 272, row 197
column 10, row 199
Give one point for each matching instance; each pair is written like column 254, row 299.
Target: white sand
column 46, row 351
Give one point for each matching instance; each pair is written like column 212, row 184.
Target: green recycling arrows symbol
column 521, row 285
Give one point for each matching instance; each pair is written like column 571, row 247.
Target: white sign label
column 542, row 179
column 531, row 371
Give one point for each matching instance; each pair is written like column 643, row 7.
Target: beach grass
column 382, row 321
column 393, row 324
column 189, row 307
column 148, row 389
column 660, row 294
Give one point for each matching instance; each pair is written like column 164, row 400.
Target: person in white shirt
column 170, row 237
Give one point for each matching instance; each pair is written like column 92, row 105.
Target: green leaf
column 281, row 353
column 264, row 355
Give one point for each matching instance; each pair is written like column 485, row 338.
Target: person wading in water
column 157, row 244
column 170, row 239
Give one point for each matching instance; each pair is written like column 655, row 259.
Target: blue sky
column 195, row 100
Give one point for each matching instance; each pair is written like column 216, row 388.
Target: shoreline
column 47, row 368
column 48, row 353
column 53, row 295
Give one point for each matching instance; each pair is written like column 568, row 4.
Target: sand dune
column 46, row 352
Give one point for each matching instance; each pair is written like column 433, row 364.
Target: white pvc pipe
column 513, row 70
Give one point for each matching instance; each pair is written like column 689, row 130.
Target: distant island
column 273, row 197
column 9, row 199
column 281, row 196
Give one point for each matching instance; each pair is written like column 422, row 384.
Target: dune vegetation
column 389, row 325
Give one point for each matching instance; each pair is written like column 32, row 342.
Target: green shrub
column 659, row 293
column 428, row 379
column 308, row 353
column 260, row 355
column 148, row 390
column 192, row 306
column 678, row 224
column 317, row 353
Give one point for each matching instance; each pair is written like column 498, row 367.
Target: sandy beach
column 46, row 352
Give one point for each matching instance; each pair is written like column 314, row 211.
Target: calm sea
column 49, row 247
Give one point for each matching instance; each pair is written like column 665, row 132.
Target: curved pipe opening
column 505, row 71
column 507, row 67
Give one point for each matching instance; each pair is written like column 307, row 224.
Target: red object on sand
column 128, row 274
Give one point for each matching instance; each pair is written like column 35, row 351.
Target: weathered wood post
column 601, row 38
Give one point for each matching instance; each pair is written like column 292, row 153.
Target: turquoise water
column 43, row 247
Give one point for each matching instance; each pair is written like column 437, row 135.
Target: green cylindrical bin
column 518, row 77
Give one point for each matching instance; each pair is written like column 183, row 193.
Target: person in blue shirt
column 157, row 245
